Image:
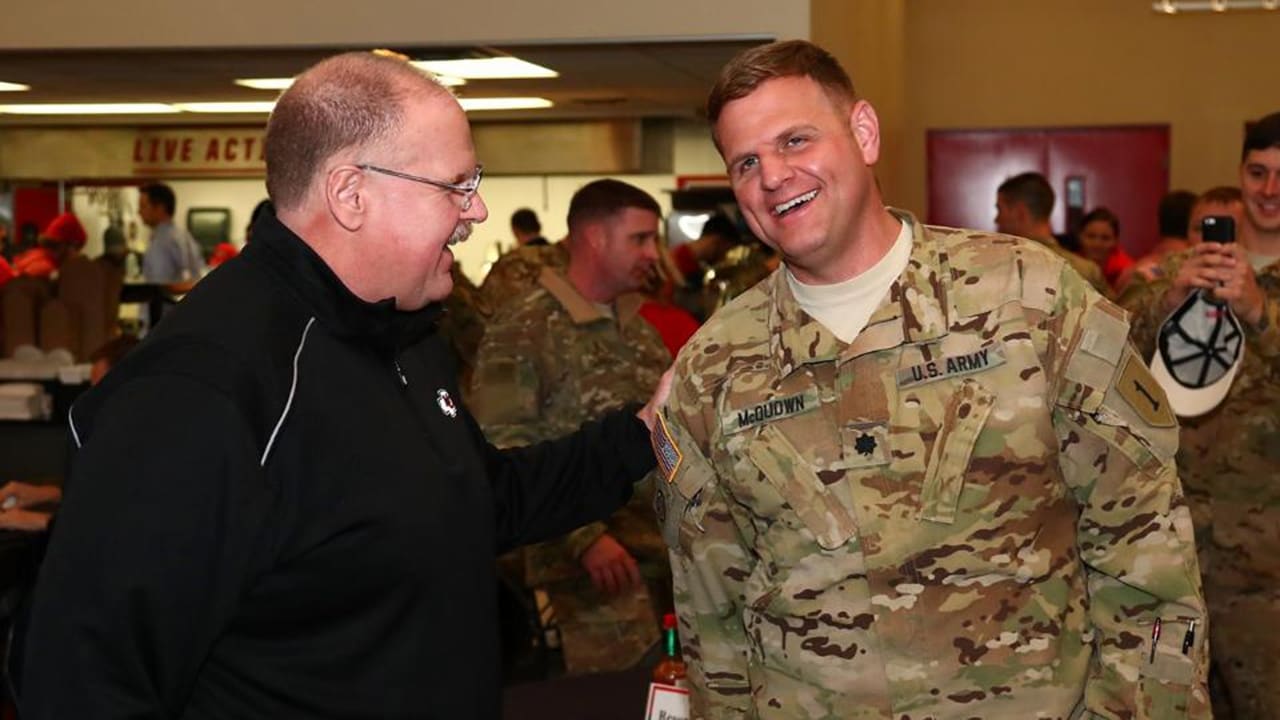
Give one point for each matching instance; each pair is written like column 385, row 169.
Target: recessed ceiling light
column 89, row 109
column 13, row 87
column 265, row 83
column 226, row 107
column 494, row 68
column 504, row 103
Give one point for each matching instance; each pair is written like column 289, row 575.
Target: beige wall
column 1008, row 63
column 250, row 23
column 868, row 37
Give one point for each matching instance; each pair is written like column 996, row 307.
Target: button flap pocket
column 773, row 454
column 1102, row 339
column 670, row 508
column 966, row 413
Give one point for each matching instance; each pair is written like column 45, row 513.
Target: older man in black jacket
column 278, row 506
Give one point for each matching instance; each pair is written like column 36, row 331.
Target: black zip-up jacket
column 279, row 508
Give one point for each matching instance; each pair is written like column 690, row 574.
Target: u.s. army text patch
column 951, row 366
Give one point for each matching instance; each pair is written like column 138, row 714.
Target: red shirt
column 685, row 262
column 1117, row 262
column 36, row 262
column 222, row 252
column 674, row 325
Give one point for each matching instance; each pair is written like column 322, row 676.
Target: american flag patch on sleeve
column 669, row 457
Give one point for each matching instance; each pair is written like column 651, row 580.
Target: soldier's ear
column 594, row 233
column 345, row 194
column 865, row 125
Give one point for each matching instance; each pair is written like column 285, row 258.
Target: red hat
column 65, row 228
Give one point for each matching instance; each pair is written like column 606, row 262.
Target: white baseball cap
column 1199, row 350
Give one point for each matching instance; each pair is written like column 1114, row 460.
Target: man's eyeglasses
column 467, row 188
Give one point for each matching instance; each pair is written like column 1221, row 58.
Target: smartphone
column 1218, row 228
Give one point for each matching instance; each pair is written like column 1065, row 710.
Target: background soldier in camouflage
column 516, row 272
column 1231, row 456
column 463, row 321
column 1024, row 203
column 562, row 354
column 917, row 473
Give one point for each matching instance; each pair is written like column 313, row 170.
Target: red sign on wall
column 226, row 152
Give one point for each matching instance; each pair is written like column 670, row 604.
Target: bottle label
column 667, row 702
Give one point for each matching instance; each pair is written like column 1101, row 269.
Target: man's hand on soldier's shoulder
column 649, row 412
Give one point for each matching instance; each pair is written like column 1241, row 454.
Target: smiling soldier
column 917, row 472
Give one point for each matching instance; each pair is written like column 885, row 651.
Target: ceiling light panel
column 504, row 103
column 265, row 83
column 226, row 107
column 89, row 109
column 13, row 87
column 496, row 68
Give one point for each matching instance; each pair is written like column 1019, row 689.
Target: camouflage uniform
column 971, row 511
column 1087, row 268
column 1230, row 461
column 549, row 362
column 463, row 323
column 516, row 272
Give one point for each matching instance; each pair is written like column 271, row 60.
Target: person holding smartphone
column 1227, row 457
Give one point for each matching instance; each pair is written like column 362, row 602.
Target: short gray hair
column 351, row 100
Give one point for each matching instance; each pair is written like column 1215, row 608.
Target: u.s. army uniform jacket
column 550, row 361
column 969, row 511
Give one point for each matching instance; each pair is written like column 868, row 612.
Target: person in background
column 1024, row 204
column 1228, row 456
column 673, row 322
column 109, row 355
column 1100, row 243
column 173, row 256
column 694, row 258
column 62, row 238
column 462, row 324
column 1174, row 217
column 516, row 273
column 25, row 506
column 918, row 471
column 278, row 506
column 1222, row 200
column 526, row 229
column 695, row 262
column 568, row 351
column 223, row 252
column 6, row 270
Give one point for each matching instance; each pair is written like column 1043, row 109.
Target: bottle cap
column 669, row 621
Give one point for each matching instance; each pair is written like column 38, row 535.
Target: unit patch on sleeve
column 1144, row 395
column 770, row 410
column 951, row 366
column 665, row 449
